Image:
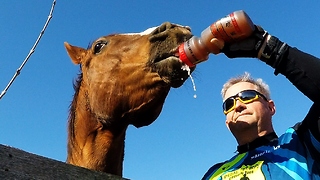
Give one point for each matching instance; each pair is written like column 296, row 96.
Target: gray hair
column 262, row 87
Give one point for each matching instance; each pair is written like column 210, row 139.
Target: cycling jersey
column 282, row 158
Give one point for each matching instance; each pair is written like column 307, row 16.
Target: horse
column 124, row 80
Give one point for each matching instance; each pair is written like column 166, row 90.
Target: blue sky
column 190, row 134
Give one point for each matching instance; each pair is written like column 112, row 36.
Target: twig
column 31, row 51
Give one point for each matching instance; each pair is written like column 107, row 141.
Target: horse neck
column 91, row 144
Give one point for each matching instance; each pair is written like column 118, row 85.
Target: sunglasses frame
column 238, row 97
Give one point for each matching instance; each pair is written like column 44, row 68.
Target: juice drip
column 186, row 68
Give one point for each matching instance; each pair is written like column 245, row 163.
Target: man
column 249, row 110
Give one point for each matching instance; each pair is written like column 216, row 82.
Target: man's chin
column 239, row 125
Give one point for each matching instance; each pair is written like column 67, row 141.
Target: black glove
column 248, row 47
column 260, row 45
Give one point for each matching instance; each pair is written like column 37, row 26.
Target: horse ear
column 75, row 53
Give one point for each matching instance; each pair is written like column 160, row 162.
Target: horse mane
column 72, row 108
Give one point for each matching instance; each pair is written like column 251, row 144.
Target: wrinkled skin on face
column 126, row 77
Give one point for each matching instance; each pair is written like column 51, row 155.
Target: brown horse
column 124, row 80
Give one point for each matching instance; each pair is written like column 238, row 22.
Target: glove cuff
column 273, row 51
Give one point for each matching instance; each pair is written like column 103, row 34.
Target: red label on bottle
column 183, row 56
column 235, row 24
column 218, row 31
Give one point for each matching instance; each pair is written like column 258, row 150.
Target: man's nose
column 240, row 106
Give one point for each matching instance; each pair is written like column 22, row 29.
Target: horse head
column 124, row 80
column 128, row 76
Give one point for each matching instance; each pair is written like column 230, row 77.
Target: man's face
column 255, row 115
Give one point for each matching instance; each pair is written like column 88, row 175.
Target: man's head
column 248, row 107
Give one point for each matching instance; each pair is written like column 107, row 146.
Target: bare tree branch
column 31, row 51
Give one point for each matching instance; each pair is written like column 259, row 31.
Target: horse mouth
column 174, row 53
column 171, row 69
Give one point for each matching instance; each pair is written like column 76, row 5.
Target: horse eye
column 98, row 46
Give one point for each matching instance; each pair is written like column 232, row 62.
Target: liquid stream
column 186, row 68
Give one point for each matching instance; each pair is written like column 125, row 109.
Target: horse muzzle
column 164, row 56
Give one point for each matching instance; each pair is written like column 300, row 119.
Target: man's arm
column 303, row 70
column 300, row 68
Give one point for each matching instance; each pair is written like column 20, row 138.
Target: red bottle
column 234, row 27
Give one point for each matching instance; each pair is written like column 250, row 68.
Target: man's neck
column 248, row 136
column 259, row 141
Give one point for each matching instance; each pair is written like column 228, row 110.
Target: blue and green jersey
column 284, row 158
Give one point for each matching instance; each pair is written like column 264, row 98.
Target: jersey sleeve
column 308, row 131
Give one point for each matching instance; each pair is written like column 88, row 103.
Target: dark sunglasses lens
column 247, row 95
column 228, row 104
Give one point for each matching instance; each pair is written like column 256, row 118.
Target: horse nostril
column 163, row 27
column 161, row 32
column 182, row 33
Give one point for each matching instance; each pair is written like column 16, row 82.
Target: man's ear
column 227, row 124
column 272, row 107
column 76, row 53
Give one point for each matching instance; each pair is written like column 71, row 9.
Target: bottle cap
column 183, row 56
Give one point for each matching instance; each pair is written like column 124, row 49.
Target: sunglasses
column 246, row 96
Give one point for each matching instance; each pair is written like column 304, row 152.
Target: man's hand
column 249, row 47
